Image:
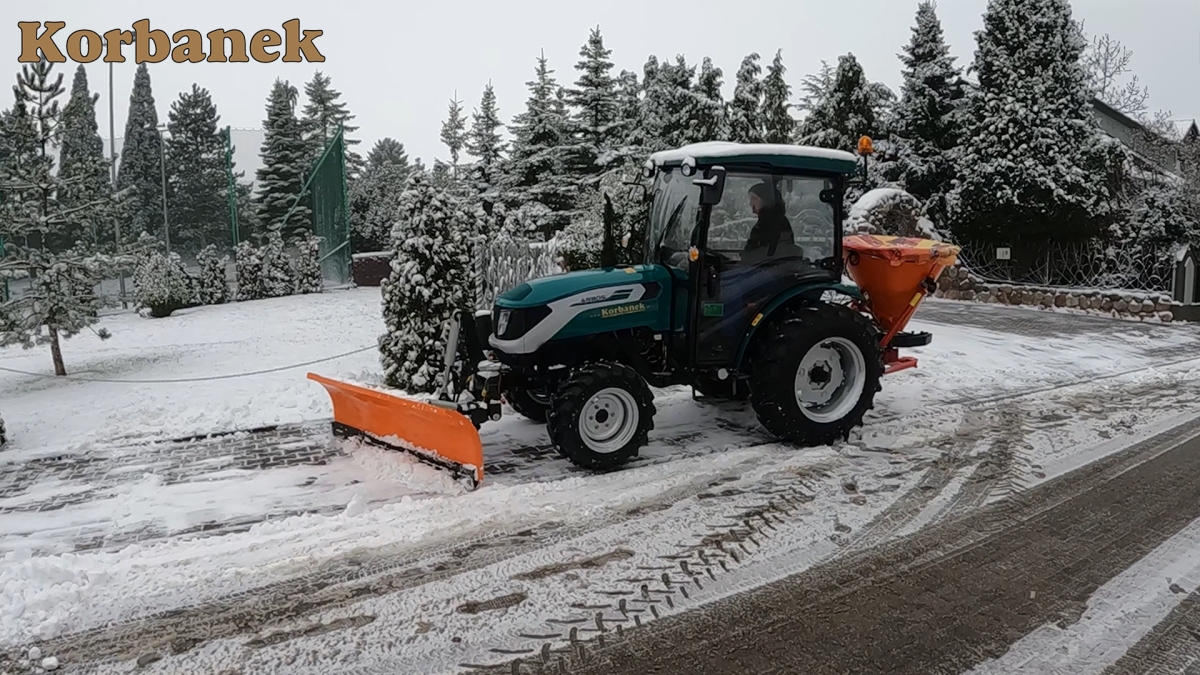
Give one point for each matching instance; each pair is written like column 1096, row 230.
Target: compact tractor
column 741, row 295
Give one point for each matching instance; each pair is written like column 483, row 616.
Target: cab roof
column 801, row 157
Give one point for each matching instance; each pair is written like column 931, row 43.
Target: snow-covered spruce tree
column 1033, row 171
column 594, row 126
column 485, row 143
column 375, row 195
column 277, row 278
column 815, row 87
column 321, row 116
column 536, row 169
column 745, row 123
column 631, row 116
column 845, row 114
column 162, row 285
column 454, row 133
column 306, row 266
column 139, row 167
column 248, row 263
column 712, row 120
column 83, row 169
column 430, row 278
column 778, row 123
column 212, row 288
column 60, row 300
column 929, row 118
column 284, row 165
column 199, row 210
column 672, row 107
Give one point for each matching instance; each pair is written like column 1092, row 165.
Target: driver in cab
column 772, row 227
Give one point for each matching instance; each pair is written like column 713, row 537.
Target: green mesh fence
column 326, row 192
column 326, row 187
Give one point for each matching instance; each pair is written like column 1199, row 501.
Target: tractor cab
column 740, row 227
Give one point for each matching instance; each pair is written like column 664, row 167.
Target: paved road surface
column 953, row 595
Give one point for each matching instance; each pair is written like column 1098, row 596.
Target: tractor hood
column 545, row 290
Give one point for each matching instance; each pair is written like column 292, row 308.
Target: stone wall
column 956, row 283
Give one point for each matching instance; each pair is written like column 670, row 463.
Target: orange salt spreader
column 894, row 275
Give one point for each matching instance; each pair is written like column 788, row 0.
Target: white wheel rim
column 609, row 420
column 830, row 380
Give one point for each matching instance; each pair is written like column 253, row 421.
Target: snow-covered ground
column 364, row 502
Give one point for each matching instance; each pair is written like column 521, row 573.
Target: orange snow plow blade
column 440, row 436
column 895, row 274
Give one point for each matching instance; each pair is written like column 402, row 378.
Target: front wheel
column 527, row 401
column 815, row 374
column 601, row 415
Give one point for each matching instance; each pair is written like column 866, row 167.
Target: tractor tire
column 524, row 400
column 601, row 415
column 827, row 355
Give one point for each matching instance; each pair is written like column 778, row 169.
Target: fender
column 811, row 291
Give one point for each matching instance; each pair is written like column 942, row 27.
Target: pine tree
column 84, row 170
column 198, row 207
column 712, row 120
column 430, row 278
column 815, row 87
column 845, row 114
column 929, row 121
column 140, row 163
column 537, row 173
column 374, row 196
column 284, row 159
column 485, row 143
column 1033, row 170
column 61, row 300
column 745, row 124
column 778, row 123
column 387, row 151
column 321, row 116
column 454, row 133
column 631, row 115
column 595, row 128
column 672, row 107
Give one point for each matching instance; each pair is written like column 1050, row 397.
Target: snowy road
column 279, row 551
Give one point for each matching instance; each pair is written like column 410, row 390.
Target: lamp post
column 162, row 163
column 112, row 156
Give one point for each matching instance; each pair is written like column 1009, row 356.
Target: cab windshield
column 754, row 205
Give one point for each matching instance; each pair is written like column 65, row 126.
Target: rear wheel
column 601, row 415
column 815, row 374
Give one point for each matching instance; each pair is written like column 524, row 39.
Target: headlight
column 502, row 322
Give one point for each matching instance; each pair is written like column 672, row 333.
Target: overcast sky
column 398, row 63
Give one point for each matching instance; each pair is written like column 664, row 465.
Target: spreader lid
column 907, row 249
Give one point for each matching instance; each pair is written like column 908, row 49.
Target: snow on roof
column 723, row 149
column 1181, row 251
column 1182, row 127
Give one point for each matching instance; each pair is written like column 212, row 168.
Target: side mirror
column 712, row 186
